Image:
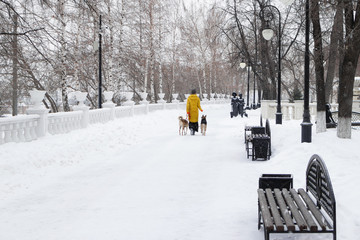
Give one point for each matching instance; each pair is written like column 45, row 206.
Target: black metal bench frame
column 291, row 211
column 355, row 119
column 258, row 142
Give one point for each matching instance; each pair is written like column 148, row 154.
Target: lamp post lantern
column 267, row 15
column 242, row 64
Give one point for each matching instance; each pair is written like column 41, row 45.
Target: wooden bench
column 258, row 141
column 300, row 211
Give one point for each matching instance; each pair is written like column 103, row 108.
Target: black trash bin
column 273, row 181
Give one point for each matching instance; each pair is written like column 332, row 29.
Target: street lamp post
column 100, row 63
column 267, row 14
column 253, row 104
column 248, row 87
column 243, row 65
column 259, row 71
column 306, row 124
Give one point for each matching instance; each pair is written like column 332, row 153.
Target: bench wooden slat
column 284, row 210
column 294, row 210
column 314, row 210
column 304, row 211
column 274, row 210
column 268, row 223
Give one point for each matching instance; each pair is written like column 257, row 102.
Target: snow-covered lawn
column 137, row 179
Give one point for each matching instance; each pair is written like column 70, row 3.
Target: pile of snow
column 137, row 179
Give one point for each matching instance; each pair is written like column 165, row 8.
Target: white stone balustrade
column 64, row 122
column 125, row 111
column 101, row 115
column 18, row 128
column 289, row 110
column 39, row 122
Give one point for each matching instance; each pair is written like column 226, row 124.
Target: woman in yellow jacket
column 192, row 109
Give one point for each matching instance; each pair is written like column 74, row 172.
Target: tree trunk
column 146, row 72
column 319, row 67
column 204, row 78
column 152, row 52
column 63, row 57
column 15, row 68
column 110, row 86
column 348, row 69
column 333, row 52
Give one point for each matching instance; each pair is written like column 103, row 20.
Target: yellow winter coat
column 193, row 107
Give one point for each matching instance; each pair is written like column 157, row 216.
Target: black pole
column 268, row 16
column 306, row 124
column 248, row 87
column 100, row 80
column 278, row 108
column 253, row 104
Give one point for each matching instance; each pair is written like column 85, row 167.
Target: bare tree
column 349, row 65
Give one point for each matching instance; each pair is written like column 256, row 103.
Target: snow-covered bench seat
column 300, row 211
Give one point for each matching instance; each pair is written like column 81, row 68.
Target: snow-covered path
column 137, row 179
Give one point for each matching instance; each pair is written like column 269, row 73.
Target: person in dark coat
column 330, row 123
column 234, row 105
column 241, row 104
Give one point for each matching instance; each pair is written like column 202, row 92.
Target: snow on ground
column 137, row 179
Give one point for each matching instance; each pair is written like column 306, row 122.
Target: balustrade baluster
column 14, row 132
column 2, row 134
column 21, row 131
column 8, row 132
column 61, row 125
column 27, row 131
column 33, row 130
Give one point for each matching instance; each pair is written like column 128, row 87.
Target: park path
column 139, row 180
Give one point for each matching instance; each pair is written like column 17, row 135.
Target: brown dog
column 183, row 125
column 203, row 125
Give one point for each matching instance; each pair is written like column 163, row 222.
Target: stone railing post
column 162, row 101
column 265, row 105
column 129, row 102
column 298, row 109
column 109, row 104
column 41, row 128
column 85, row 119
column 143, row 96
column 212, row 97
column 174, row 100
column 205, row 99
column 38, row 108
column 81, row 97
